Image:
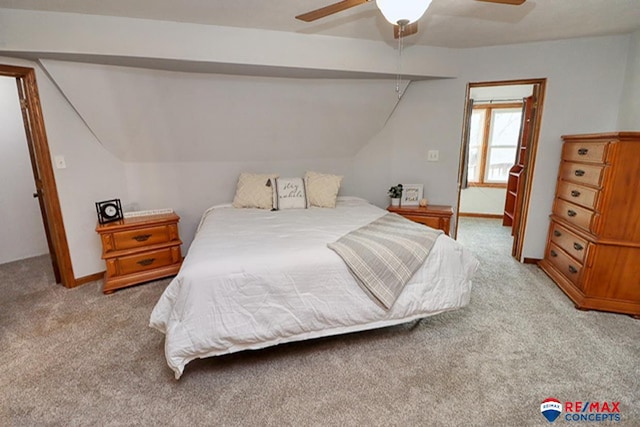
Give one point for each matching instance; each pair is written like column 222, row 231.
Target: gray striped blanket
column 384, row 254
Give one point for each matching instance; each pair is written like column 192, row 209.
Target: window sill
column 487, row 184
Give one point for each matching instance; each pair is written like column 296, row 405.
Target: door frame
column 39, row 149
column 531, row 151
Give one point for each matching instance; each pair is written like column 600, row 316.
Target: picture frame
column 411, row 194
column 109, row 211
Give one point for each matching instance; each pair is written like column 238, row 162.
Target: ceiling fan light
column 396, row 11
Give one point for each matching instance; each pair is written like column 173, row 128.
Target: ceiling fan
column 390, row 9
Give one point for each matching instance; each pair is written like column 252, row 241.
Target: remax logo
column 581, row 411
column 551, row 409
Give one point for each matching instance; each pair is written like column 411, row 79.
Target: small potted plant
column 395, row 193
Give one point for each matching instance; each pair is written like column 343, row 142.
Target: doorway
column 44, row 180
column 497, row 158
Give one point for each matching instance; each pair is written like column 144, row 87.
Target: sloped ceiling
column 143, row 115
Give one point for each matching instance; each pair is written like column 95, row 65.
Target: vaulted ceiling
column 447, row 23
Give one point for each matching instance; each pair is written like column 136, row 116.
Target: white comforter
column 254, row 278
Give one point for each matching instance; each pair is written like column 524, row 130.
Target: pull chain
column 401, row 25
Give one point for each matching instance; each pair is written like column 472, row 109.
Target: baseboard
column 531, row 260
column 479, row 215
column 88, row 279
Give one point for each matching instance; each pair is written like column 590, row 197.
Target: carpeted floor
column 77, row 357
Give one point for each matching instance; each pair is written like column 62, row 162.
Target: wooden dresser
column 434, row 216
column 140, row 249
column 593, row 246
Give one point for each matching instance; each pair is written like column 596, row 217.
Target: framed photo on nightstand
column 411, row 194
column 109, row 211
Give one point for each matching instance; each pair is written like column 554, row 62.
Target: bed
column 255, row 278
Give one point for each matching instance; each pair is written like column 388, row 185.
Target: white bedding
column 254, row 278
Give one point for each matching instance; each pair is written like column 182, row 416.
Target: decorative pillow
column 289, row 193
column 254, row 191
column 322, row 189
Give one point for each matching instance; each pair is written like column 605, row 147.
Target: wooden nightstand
column 434, row 216
column 140, row 249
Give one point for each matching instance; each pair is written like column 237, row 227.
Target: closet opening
column 497, row 158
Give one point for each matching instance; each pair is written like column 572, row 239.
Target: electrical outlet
column 433, row 155
column 60, row 163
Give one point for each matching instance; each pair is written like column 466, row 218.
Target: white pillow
column 322, row 189
column 254, row 191
column 289, row 193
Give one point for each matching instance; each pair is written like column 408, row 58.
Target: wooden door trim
column 531, row 153
column 43, row 159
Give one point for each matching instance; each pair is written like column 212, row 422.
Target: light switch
column 59, row 162
column 433, row 155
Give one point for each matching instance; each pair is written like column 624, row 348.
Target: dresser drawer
column 142, row 237
column 590, row 152
column 581, row 173
column 564, row 264
column 145, row 261
column 578, row 194
column 569, row 242
column 574, row 214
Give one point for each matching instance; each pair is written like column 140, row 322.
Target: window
column 493, row 142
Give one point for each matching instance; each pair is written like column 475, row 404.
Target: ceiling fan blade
column 329, row 10
column 408, row 30
column 512, row 2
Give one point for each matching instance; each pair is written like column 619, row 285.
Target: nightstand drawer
column 142, row 237
column 430, row 222
column 145, row 261
column 589, row 152
column 434, row 216
column 140, row 249
column 581, row 173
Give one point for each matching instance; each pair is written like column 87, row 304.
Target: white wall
column 191, row 187
column 175, row 45
column 497, row 93
column 483, row 200
column 583, row 95
column 629, row 118
column 184, row 138
column 92, row 173
column 21, row 231
column 143, row 115
column 429, row 116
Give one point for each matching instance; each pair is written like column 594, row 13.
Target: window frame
column 484, row 147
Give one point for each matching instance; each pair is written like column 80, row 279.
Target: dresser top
column 433, row 210
column 607, row 135
column 137, row 221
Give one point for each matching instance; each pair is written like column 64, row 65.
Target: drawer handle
column 146, row 261
column 141, row 237
column 579, row 172
column 571, row 213
column 572, row 269
column 577, row 246
column 583, row 151
column 557, row 233
column 553, row 253
column 575, row 193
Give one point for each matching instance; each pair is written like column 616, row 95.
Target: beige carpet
column 80, row 358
